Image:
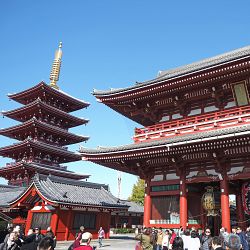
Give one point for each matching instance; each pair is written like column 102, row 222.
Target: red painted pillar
column 183, row 201
column 240, row 210
column 28, row 222
column 68, row 224
column 54, row 221
column 225, row 209
column 147, row 205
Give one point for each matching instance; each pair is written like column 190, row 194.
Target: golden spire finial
column 55, row 71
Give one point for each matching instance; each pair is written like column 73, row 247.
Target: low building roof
column 9, row 193
column 68, row 192
column 133, row 206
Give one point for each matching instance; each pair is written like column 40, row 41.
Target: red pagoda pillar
column 225, row 208
column 147, row 205
column 183, row 201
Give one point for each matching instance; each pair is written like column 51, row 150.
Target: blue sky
column 109, row 44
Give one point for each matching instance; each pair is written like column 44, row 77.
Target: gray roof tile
column 182, row 139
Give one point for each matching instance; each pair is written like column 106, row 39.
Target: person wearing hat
column 85, row 242
column 233, row 242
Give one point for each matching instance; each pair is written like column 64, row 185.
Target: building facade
column 193, row 147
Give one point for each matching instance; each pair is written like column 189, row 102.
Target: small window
column 240, row 93
column 41, row 220
column 176, row 116
column 210, row 109
column 195, row 112
column 230, row 104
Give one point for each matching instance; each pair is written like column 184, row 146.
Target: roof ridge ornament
column 56, row 66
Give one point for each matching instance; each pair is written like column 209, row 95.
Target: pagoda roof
column 32, row 93
column 39, row 145
column 17, row 132
column 170, row 142
column 180, row 72
column 20, row 113
column 42, row 169
column 67, row 192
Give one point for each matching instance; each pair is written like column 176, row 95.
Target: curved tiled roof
column 180, row 139
column 38, row 104
column 187, row 69
column 42, row 86
column 11, row 131
column 133, row 206
column 67, row 191
column 9, row 193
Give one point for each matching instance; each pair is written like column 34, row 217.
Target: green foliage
column 138, row 192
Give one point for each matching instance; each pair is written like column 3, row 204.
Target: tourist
column 233, row 242
column 217, row 243
column 177, row 243
column 39, row 235
column 154, row 235
column 29, row 241
column 248, row 236
column 49, row 233
column 145, row 239
column 101, row 236
column 46, row 243
column 206, row 241
column 242, row 238
column 85, row 242
column 159, row 239
column 186, row 237
column 234, row 229
column 10, row 243
column 172, row 237
column 223, row 235
column 165, row 240
column 195, row 240
column 78, row 238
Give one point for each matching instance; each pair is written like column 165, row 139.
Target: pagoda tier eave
column 23, row 96
column 34, row 124
column 29, row 145
column 9, row 169
column 21, row 114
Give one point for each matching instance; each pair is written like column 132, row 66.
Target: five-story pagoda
column 43, row 132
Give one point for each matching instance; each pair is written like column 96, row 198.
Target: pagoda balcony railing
column 209, row 121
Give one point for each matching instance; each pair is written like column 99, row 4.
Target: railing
column 202, row 122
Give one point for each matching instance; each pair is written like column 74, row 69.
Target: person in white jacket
column 165, row 240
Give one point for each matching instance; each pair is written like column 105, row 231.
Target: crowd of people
column 34, row 240
column 191, row 239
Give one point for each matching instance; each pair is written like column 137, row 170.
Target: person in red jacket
column 173, row 236
column 85, row 242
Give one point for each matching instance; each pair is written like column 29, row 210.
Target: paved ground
column 108, row 244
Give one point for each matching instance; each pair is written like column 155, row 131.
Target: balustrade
column 209, row 121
